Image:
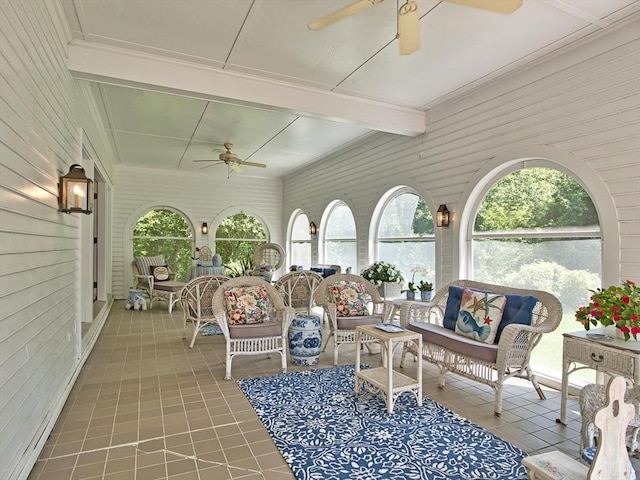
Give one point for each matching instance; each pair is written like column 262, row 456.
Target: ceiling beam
column 122, row 67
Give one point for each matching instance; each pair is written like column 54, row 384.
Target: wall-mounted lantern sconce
column 313, row 229
column 205, row 228
column 442, row 216
column 75, row 191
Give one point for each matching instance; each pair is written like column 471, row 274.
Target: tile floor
column 147, row 407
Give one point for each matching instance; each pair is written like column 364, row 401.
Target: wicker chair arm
column 285, row 317
column 147, row 280
column 516, row 344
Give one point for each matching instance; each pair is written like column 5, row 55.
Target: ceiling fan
column 408, row 17
column 232, row 161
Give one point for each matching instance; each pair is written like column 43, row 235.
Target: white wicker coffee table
column 385, row 379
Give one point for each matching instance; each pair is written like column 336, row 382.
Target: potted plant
column 386, row 276
column 411, row 289
column 426, row 289
column 617, row 306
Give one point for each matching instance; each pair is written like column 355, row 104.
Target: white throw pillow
column 480, row 314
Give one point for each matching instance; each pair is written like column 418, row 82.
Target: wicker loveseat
column 526, row 316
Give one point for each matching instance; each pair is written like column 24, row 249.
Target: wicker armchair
column 244, row 337
column 196, row 300
column 205, row 256
column 298, row 289
column 156, row 290
column 343, row 328
column 267, row 259
column 592, row 398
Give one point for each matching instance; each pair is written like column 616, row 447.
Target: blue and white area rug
column 211, row 330
column 326, row 432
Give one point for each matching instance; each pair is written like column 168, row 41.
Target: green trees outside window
column 538, row 228
column 237, row 238
column 165, row 232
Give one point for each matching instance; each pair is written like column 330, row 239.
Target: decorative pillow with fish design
column 480, row 314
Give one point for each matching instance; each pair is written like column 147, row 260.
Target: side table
column 406, row 310
column 198, row 271
column 385, row 379
column 305, row 339
column 613, row 356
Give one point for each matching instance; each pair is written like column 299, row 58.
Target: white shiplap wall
column 584, row 103
column 40, row 137
column 139, row 190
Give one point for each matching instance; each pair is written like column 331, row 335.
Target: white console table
column 614, row 357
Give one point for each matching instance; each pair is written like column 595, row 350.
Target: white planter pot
column 390, row 290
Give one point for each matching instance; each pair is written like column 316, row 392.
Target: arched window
column 340, row 246
column 300, row 243
column 538, row 228
column 237, row 238
column 168, row 233
column 406, row 235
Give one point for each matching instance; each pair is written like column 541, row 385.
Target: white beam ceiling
column 127, row 68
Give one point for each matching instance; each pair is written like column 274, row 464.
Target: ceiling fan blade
column 409, row 28
column 207, row 160
column 207, row 166
column 498, row 6
column 253, row 164
column 347, row 11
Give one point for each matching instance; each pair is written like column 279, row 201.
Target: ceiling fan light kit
column 231, row 160
column 409, row 17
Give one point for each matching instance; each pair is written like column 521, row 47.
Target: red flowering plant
column 617, row 305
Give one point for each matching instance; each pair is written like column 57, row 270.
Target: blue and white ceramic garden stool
column 305, row 339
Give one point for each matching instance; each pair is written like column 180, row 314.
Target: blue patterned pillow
column 479, row 316
column 519, row 309
column 453, row 306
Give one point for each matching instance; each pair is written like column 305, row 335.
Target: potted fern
column 426, row 289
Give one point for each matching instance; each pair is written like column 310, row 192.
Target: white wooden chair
column 592, row 398
column 196, row 299
column 253, row 318
column 611, row 460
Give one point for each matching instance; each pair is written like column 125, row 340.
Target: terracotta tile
column 181, row 466
column 161, row 389
column 88, row 471
column 88, row 458
column 149, row 459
